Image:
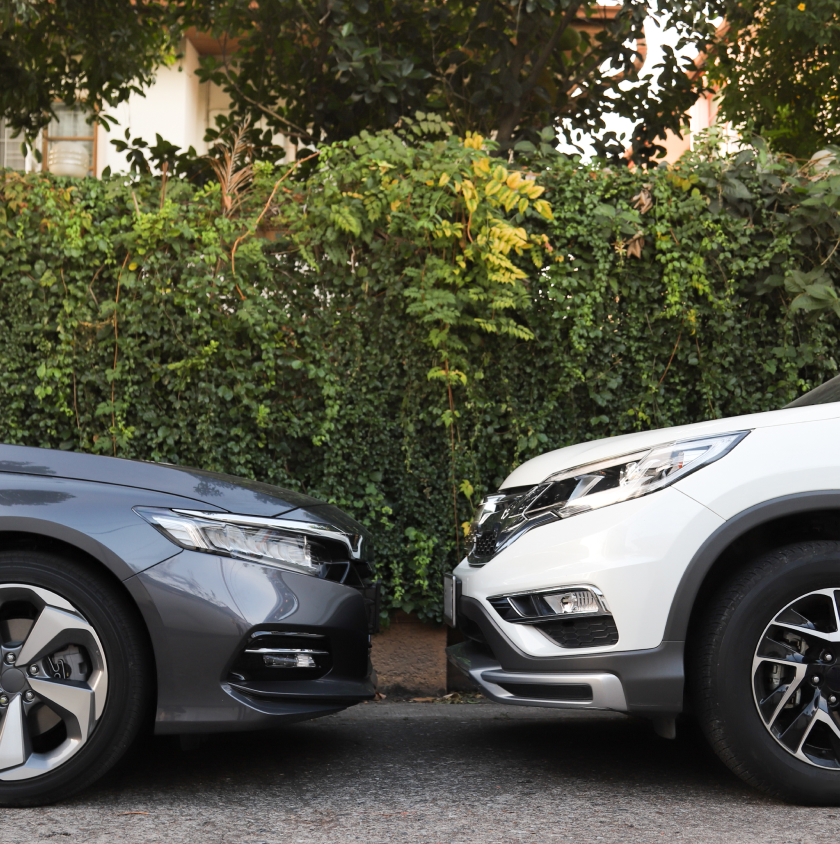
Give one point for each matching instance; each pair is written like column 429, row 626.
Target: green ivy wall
column 400, row 328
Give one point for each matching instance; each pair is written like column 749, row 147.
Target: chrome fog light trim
column 288, row 657
column 549, row 604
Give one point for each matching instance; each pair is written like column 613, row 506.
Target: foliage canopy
column 506, row 68
column 98, row 52
column 779, row 65
column 324, row 70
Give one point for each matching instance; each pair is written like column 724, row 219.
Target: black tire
column 129, row 681
column 740, row 625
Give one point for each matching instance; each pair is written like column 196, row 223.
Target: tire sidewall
column 108, row 613
column 732, row 678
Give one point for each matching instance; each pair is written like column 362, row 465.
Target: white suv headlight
column 503, row 518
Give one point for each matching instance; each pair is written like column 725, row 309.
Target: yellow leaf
column 514, row 180
column 543, row 209
column 499, row 173
column 492, row 187
column 533, row 190
column 444, row 178
column 132, row 266
column 523, row 206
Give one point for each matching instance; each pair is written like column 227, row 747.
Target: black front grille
column 578, row 692
column 594, row 632
column 485, row 544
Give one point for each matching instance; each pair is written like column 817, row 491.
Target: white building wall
column 176, row 107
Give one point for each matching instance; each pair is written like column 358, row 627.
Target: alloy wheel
column 53, row 681
column 796, row 678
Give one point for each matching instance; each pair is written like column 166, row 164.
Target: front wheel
column 74, row 677
column 765, row 673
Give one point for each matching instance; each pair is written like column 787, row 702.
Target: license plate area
column 451, row 598
column 372, row 595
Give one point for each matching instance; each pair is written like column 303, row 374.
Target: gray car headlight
column 502, row 518
column 308, row 548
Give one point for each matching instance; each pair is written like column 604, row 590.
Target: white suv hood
column 536, row 470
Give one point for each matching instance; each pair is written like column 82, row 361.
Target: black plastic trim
column 676, row 627
column 578, row 692
column 311, row 691
column 653, row 680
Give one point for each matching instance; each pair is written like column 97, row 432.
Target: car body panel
column 634, row 552
column 90, row 516
column 770, row 463
column 223, row 492
column 199, row 609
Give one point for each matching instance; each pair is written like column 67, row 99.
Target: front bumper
column 646, row 682
column 566, row 690
column 636, row 554
column 202, row 612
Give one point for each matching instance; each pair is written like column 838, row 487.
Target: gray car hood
column 218, row 491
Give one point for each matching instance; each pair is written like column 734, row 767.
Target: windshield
column 824, row 394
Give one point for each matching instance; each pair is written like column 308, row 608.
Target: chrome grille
column 485, row 543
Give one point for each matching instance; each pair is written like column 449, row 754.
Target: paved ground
column 427, row 772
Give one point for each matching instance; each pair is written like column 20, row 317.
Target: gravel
column 427, row 772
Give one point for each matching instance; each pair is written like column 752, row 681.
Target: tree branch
column 550, row 46
column 508, row 123
column 301, row 134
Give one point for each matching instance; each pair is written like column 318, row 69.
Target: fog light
column 296, row 661
column 578, row 601
column 288, row 657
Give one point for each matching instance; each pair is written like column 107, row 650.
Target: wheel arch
column 771, row 524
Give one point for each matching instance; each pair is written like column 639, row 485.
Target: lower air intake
column 598, row 631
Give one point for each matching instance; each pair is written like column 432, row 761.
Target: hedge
column 400, row 327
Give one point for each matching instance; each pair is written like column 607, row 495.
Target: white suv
column 693, row 568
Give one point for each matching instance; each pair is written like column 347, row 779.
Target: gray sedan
column 136, row 592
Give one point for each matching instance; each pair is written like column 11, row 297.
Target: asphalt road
column 426, row 772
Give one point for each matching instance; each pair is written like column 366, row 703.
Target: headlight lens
column 504, row 517
column 300, row 547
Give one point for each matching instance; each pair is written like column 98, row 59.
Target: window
column 69, row 143
column 824, row 394
column 11, row 158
